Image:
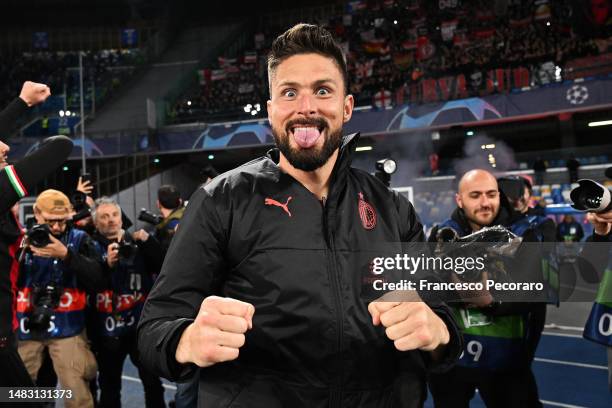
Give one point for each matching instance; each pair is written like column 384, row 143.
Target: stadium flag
column 203, row 76
column 364, row 70
column 461, row 38
column 376, row 47
column 382, row 98
column 448, row 29
column 223, row 61
column 403, row 60
column 217, row 74
column 517, row 23
column 250, row 57
column 231, row 69
column 354, row 6
column 425, row 48
column 409, row 45
column 521, row 77
column 542, row 12
column 484, row 33
column 245, row 88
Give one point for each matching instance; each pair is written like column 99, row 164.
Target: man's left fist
column 411, row 325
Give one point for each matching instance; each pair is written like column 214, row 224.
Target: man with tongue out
column 262, row 290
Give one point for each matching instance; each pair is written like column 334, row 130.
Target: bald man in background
column 497, row 356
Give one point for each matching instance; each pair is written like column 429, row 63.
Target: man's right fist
column 33, row 93
column 217, row 333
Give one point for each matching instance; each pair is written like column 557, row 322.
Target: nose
column 485, row 201
column 4, row 148
column 306, row 105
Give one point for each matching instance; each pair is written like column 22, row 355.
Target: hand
column 56, row 249
column 602, row 223
column 140, row 235
column 112, row 254
column 410, row 325
column 33, row 93
column 84, row 187
column 217, row 333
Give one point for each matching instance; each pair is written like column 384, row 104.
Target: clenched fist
column 33, row 93
column 410, row 325
column 217, row 333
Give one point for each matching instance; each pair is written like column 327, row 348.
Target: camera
column 38, row 235
column 126, row 249
column 149, row 217
column 78, row 201
column 45, row 299
column 590, row 196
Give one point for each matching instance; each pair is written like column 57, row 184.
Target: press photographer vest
column 599, row 324
column 119, row 307
column 493, row 342
column 165, row 229
column 68, row 318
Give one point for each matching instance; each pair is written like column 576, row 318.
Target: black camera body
column 590, row 196
column 148, row 217
column 126, row 249
column 38, row 235
column 45, row 299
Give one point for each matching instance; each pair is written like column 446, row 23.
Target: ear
column 458, row 200
column 349, row 104
column 269, row 109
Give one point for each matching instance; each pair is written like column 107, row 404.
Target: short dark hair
column 169, row 196
column 306, row 39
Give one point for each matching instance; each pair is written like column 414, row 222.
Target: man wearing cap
column 51, row 298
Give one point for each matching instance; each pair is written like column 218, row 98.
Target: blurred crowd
column 393, row 47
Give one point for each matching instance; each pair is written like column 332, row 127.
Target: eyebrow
column 314, row 84
column 485, row 192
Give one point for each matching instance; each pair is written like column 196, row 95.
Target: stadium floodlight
column 211, row 156
column 188, row 103
column 258, row 107
column 470, row 133
column 600, row 123
column 61, row 113
column 395, row 22
column 68, row 113
column 363, row 148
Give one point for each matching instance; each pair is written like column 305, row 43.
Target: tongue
column 306, row 137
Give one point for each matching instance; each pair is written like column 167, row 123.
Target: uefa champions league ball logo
column 577, row 94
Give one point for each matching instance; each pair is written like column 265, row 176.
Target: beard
column 312, row 158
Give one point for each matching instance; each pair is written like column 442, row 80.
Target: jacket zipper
column 336, row 392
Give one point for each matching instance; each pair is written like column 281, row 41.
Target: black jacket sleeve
column 32, row 169
column 9, row 115
column 153, row 255
column 86, row 264
column 191, row 271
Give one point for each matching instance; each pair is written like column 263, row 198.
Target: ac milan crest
column 366, row 213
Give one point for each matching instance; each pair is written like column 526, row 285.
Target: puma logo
column 270, row 201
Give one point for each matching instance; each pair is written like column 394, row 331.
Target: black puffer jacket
column 302, row 267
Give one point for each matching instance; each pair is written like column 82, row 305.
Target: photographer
column 132, row 261
column 501, row 369
column 171, row 207
column 59, row 266
column 600, row 258
column 15, row 182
